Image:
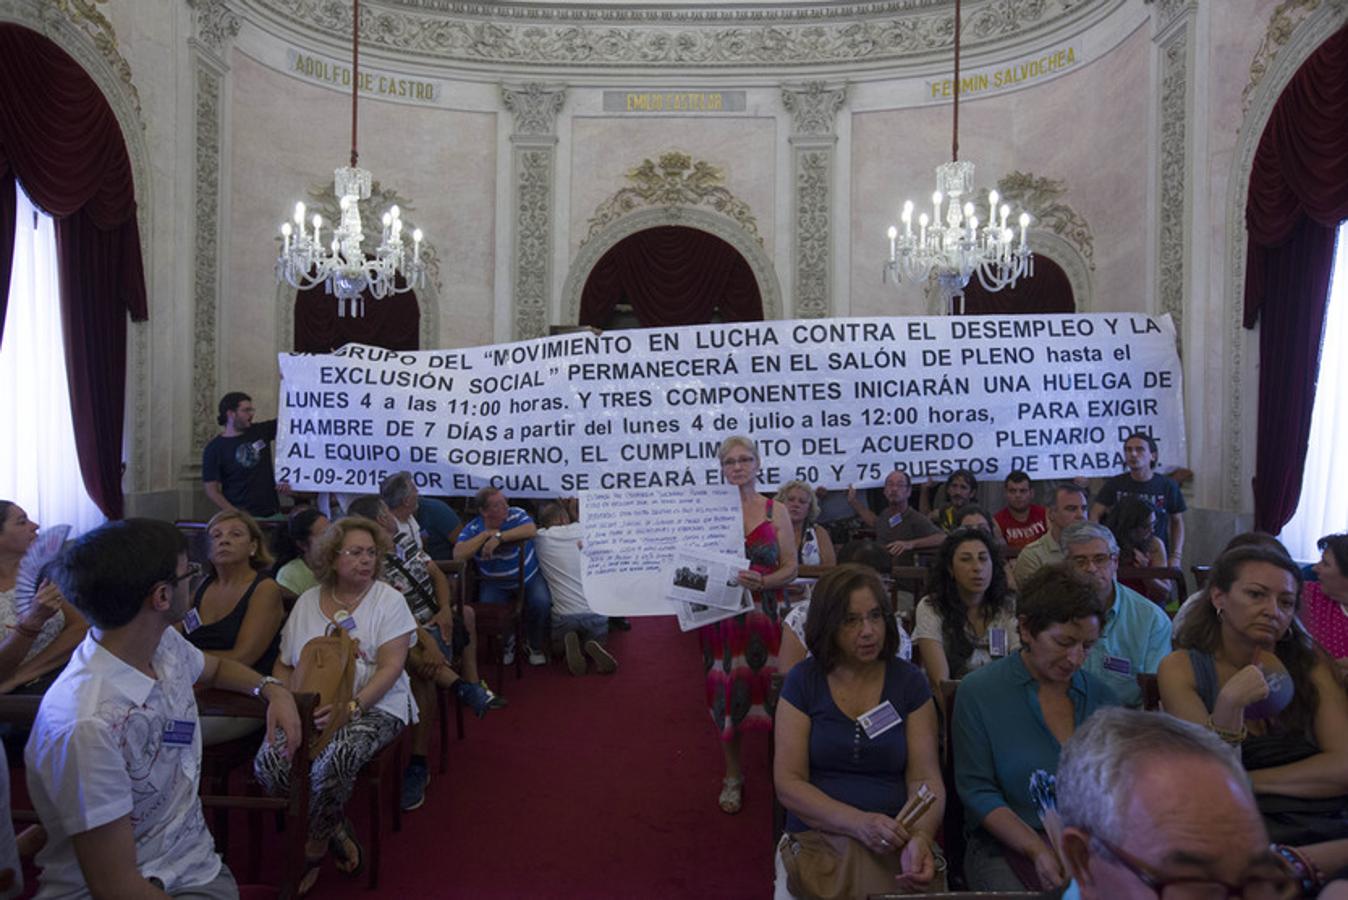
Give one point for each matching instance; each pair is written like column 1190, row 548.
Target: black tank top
column 224, row 634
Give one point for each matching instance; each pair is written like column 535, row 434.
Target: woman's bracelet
column 1234, row 738
column 1301, row 868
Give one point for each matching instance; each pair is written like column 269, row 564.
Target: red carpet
column 587, row 787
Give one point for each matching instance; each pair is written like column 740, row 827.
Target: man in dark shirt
column 1151, row 487
column 236, row 467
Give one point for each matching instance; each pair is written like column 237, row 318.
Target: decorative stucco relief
column 533, row 169
column 523, row 35
column 216, row 24
column 675, row 180
column 1172, row 231
column 85, row 15
column 1041, row 197
column 814, row 108
column 205, row 274
column 1284, row 21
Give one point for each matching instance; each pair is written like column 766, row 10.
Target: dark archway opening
column 670, row 275
column 1049, row 290
column 393, row 323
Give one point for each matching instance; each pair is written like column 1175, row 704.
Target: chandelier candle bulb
column 416, row 245
column 299, row 215
column 907, row 218
column 936, row 207
column 1024, row 223
column 922, row 223
column 993, row 197
column 893, row 237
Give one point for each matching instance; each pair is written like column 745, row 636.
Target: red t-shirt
column 1324, row 619
column 1020, row 534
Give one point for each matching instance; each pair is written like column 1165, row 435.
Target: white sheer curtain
column 1323, row 508
column 38, row 466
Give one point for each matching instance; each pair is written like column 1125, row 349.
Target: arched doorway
column 670, row 275
column 1049, row 290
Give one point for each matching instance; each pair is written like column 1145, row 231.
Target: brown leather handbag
column 327, row 667
column 824, row 866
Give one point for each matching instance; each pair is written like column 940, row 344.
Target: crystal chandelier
column 342, row 266
column 950, row 244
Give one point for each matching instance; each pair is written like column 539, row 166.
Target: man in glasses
column 114, row 760
column 1135, row 633
column 1153, row 806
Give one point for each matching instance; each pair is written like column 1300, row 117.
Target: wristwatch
column 261, row 685
column 497, row 535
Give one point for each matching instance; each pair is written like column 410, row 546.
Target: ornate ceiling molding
column 783, row 36
column 677, row 180
column 1284, row 21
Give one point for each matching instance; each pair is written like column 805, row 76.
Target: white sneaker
column 508, row 654
column 536, row 658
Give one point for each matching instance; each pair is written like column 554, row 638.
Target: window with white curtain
column 1323, row 508
column 38, row 466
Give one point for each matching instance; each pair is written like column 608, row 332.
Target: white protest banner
column 632, row 537
column 832, row 401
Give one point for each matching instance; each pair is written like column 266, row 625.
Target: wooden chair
column 195, row 532
column 1200, row 574
column 494, row 620
column 386, row 768
column 1151, row 691
column 1156, row 573
column 293, row 810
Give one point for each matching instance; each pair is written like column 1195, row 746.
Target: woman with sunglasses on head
column 349, row 595
column 740, row 653
column 1247, row 669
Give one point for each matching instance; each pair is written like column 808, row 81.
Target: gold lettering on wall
column 313, row 68
column 1006, row 76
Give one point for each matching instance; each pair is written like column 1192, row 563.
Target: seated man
column 1148, row 800
column 1069, row 505
column 400, row 495
column 558, row 544
column 1134, row 633
column 961, row 489
column 426, row 589
column 1022, row 521
column 496, row 524
column 114, row 761
column 899, row 528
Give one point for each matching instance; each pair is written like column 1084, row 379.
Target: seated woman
column 296, row 546
column 35, row 644
column 814, row 547
column 236, row 611
column 1248, row 670
column 1131, row 522
column 836, row 774
column 968, row 617
column 1324, row 604
column 350, row 559
column 973, row 516
column 1011, row 718
column 793, row 648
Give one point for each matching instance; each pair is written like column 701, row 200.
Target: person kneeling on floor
column 558, row 544
column 114, row 760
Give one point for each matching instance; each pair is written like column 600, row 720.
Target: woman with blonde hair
column 237, row 610
column 814, row 547
column 740, row 653
column 349, row 595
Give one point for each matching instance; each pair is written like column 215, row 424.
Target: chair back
column 198, row 544
column 952, row 825
column 1156, row 573
column 1151, row 691
column 1201, row 574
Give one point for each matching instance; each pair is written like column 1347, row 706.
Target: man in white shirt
column 114, row 760
column 558, row 545
column 400, row 495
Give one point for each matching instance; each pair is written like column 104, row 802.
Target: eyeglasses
column 355, row 552
column 193, row 570
column 738, row 461
column 1266, row 879
column 1098, row 561
column 874, row 617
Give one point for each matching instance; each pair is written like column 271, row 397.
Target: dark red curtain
column 61, row 140
column 1047, row 291
column 8, row 202
column 393, row 323
column 1298, row 196
column 672, row 275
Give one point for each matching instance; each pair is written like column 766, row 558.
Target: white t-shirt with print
column 382, row 616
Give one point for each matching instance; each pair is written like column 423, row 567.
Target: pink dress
column 1325, row 620
column 740, row 654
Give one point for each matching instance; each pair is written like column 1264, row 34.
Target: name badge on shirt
column 895, row 520
column 191, row 621
column 259, row 446
column 997, row 642
column 876, row 722
column 344, row 619
column 1119, row 664
column 179, row 732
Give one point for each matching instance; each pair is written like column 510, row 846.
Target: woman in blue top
column 836, row 774
column 1012, row 717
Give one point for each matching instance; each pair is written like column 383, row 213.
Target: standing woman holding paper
column 740, row 654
